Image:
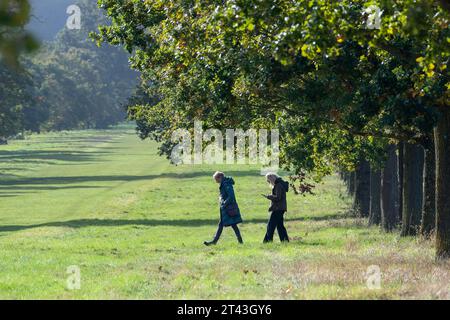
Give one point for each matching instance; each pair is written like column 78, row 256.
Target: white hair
column 272, row 177
column 218, row 174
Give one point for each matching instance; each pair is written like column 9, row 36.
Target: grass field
column 134, row 225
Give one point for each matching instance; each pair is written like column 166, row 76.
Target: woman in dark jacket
column 277, row 208
column 229, row 209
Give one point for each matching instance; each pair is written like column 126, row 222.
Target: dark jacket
column 278, row 196
column 228, row 203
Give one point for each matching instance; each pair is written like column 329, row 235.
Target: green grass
column 134, row 225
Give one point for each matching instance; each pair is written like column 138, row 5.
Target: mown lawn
column 134, row 225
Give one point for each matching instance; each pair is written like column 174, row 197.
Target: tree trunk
column 400, row 166
column 442, row 144
column 429, row 189
column 345, row 176
column 389, row 192
column 361, row 203
column 375, row 197
column 413, row 158
column 351, row 183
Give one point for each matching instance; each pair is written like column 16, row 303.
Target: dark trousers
column 220, row 229
column 276, row 220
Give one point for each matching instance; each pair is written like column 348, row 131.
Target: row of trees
column 343, row 92
column 68, row 83
column 401, row 192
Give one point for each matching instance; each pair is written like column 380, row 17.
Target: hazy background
column 48, row 17
column 69, row 82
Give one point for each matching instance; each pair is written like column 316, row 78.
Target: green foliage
column 11, row 98
column 14, row 98
column 14, row 14
column 311, row 67
column 69, row 83
column 83, row 86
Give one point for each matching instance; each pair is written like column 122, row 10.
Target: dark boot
column 271, row 226
column 238, row 233
column 216, row 237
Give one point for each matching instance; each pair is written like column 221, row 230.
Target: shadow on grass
column 48, row 155
column 123, row 178
column 82, row 223
column 11, row 191
column 10, row 183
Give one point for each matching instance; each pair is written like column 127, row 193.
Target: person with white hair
column 277, row 208
column 230, row 214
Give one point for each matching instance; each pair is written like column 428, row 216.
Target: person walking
column 277, row 208
column 229, row 210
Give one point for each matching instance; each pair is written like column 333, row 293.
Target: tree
column 69, row 83
column 442, row 136
column 390, row 192
column 362, row 189
column 375, row 197
column 16, row 101
column 13, row 40
column 14, row 14
column 412, row 189
column 83, row 86
column 428, row 222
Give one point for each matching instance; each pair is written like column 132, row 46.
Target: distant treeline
column 70, row 83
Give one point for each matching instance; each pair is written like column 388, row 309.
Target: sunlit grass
column 134, row 224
